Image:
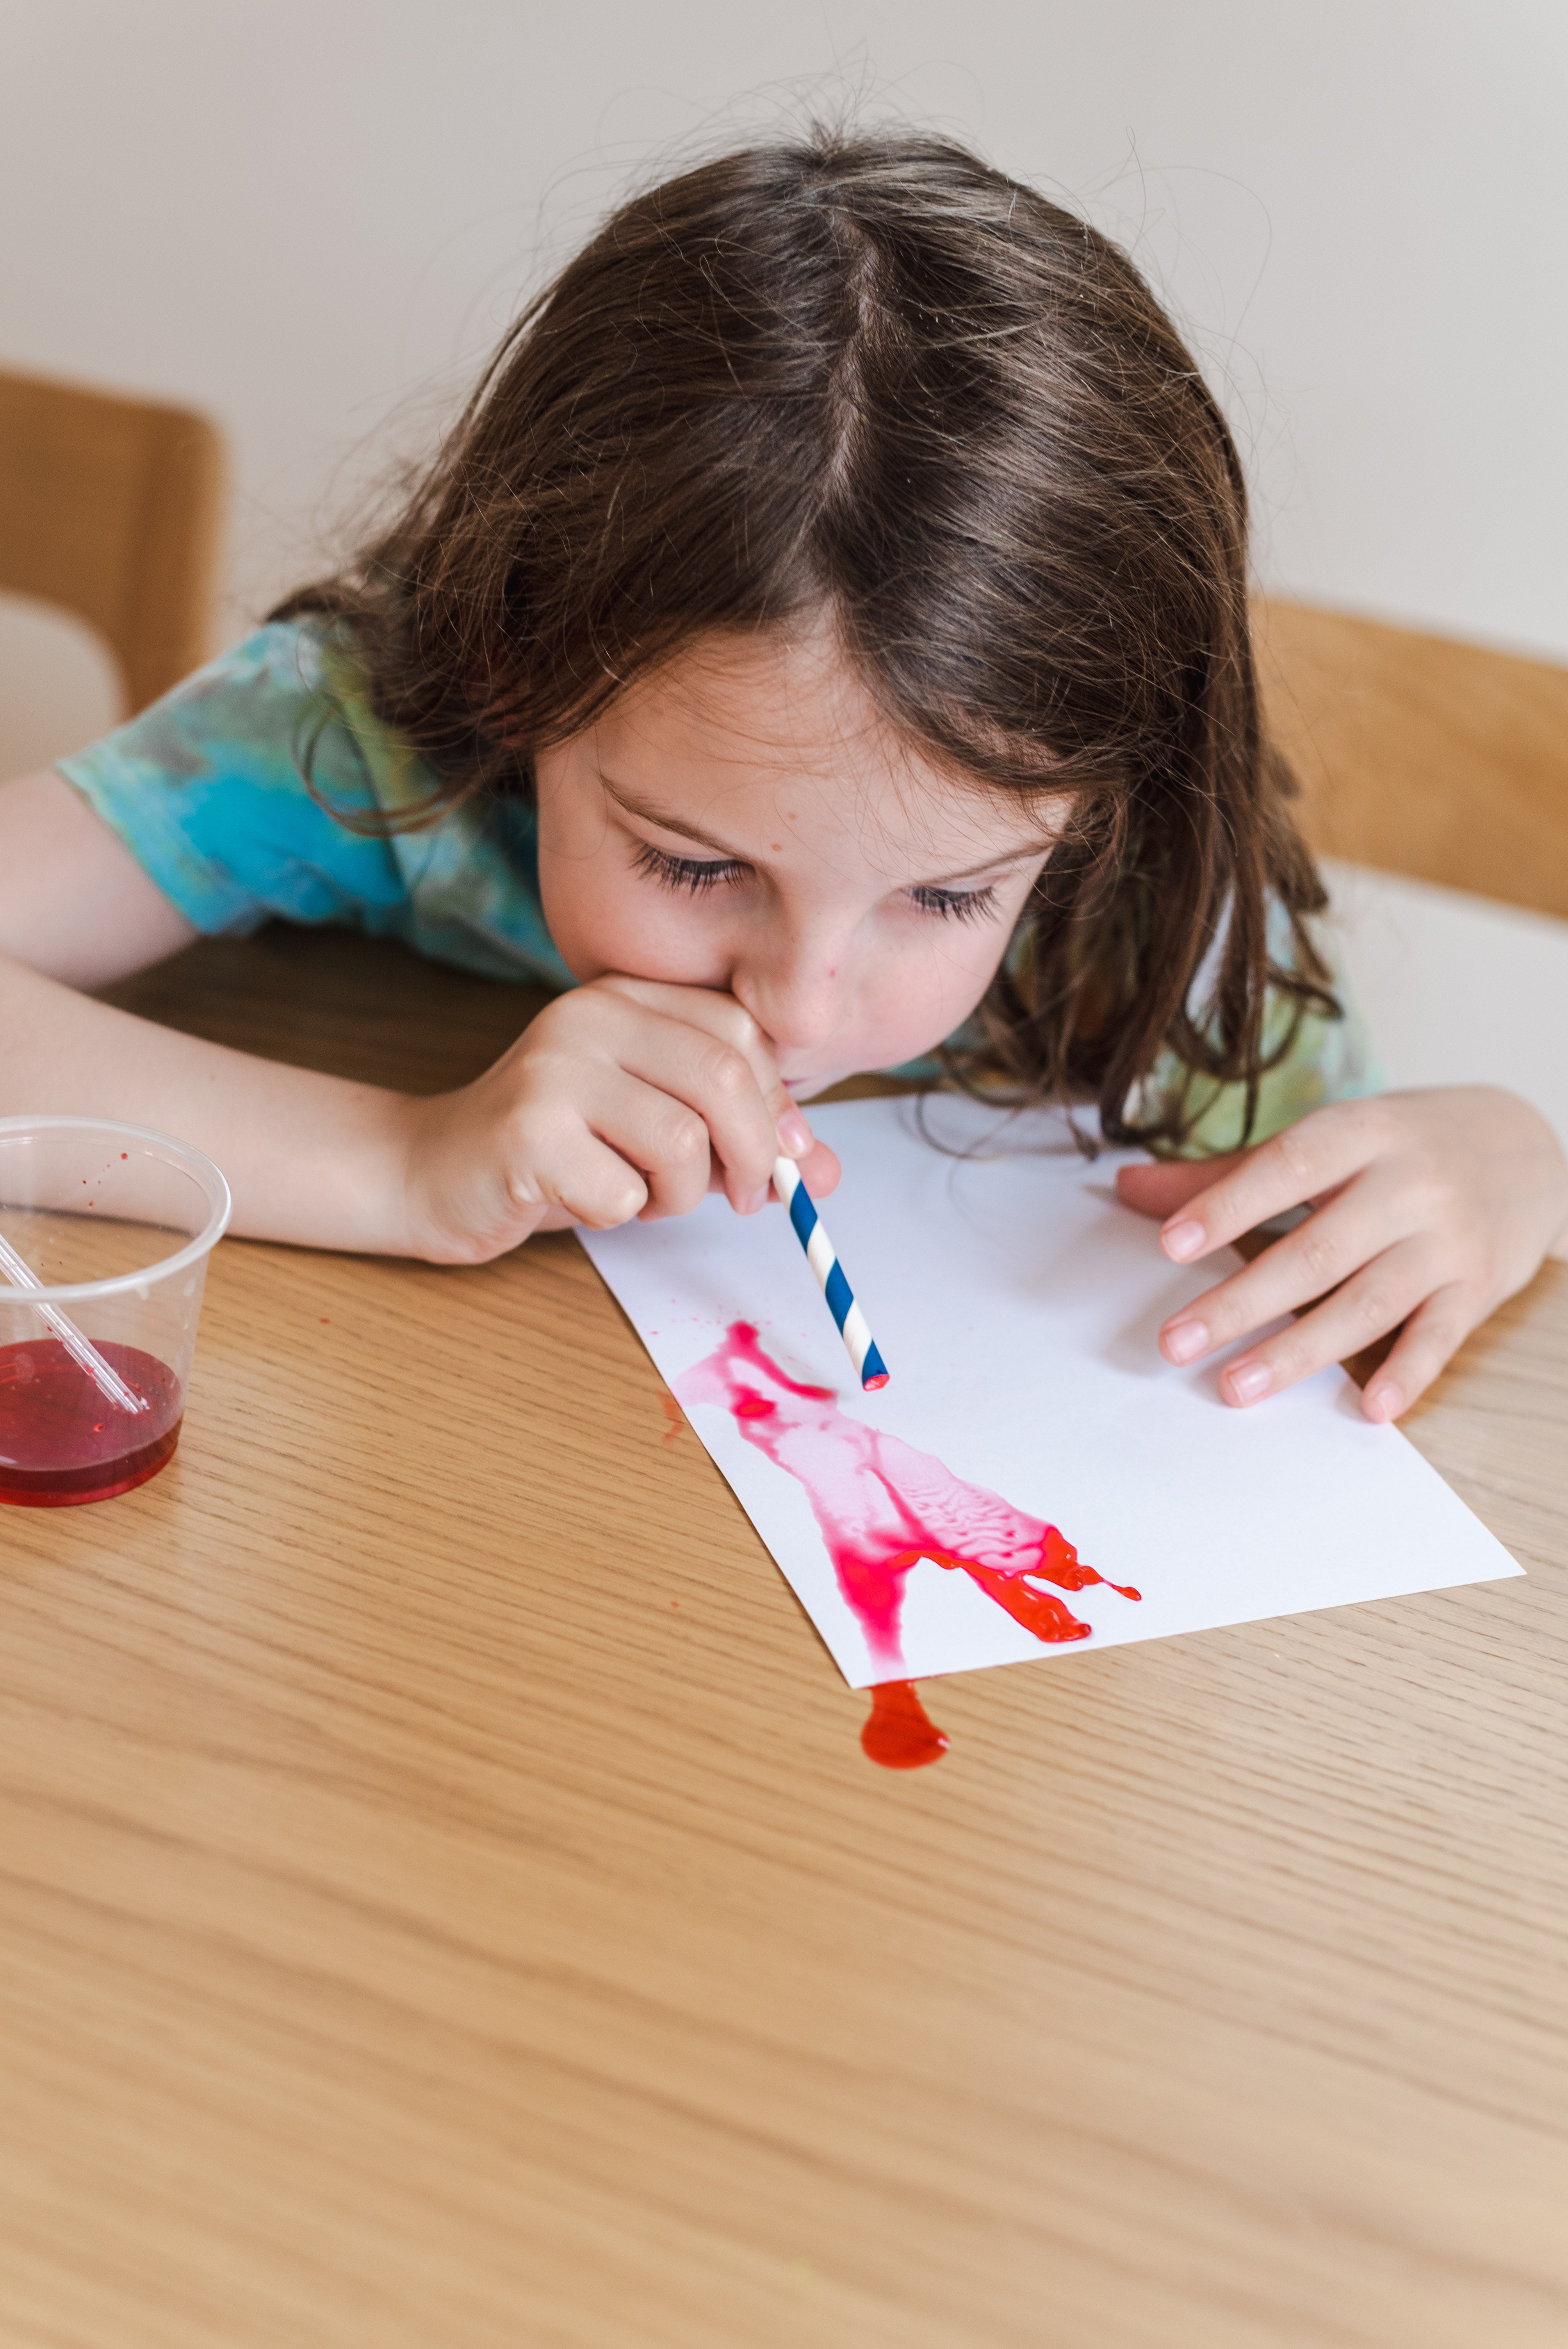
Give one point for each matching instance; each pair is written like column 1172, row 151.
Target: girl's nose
column 798, row 1001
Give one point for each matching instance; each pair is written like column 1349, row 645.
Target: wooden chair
column 1422, row 756
column 111, row 507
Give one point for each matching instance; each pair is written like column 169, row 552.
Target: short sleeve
column 208, row 790
column 1315, row 1059
column 266, row 786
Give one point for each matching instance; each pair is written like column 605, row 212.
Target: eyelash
column 689, row 872
column 696, row 875
column 957, row 905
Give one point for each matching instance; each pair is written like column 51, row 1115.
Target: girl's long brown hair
column 872, row 376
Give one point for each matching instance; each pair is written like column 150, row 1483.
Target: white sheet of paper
column 1016, row 1304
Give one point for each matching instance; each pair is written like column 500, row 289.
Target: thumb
column 820, row 1170
column 1159, row 1189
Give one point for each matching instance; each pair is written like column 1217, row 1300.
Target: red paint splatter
column 900, row 1734
column 60, row 1441
column 125, row 1154
column 883, row 1506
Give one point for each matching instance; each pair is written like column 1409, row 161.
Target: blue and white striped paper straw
column 823, row 1260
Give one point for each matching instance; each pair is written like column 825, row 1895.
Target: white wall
column 302, row 214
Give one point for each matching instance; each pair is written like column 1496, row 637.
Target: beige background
column 303, row 216
column 312, row 221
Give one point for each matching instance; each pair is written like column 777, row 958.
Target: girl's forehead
column 781, row 726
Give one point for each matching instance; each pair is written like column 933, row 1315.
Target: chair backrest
column 1422, row 756
column 111, row 507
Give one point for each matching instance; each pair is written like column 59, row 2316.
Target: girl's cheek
column 919, row 998
column 602, row 922
column 585, row 915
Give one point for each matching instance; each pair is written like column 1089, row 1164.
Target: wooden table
column 445, row 1903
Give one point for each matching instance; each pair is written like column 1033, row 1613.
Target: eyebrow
column 650, row 813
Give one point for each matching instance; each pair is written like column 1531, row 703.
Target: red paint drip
column 899, row 1732
column 882, row 1506
column 61, row 1441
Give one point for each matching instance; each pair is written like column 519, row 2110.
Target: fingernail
column 1248, row 1381
column 794, row 1133
column 1384, row 1402
column 759, row 1200
column 1185, row 1341
column 1182, row 1240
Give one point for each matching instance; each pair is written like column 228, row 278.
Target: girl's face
column 746, row 819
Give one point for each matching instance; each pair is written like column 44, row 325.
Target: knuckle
column 522, row 1189
column 684, row 1139
column 726, row 1071
column 1292, row 1153
column 1376, row 1310
column 1318, row 1258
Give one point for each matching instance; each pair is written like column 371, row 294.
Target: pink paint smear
column 883, row 1506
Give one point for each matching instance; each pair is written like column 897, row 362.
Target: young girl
column 822, row 642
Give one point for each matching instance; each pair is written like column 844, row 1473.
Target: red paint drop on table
column 62, row 1442
column 899, row 1732
column 882, row 1506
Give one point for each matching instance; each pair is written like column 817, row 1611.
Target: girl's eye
column 958, row 904
column 693, row 873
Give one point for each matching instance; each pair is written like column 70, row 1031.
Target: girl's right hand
column 625, row 1098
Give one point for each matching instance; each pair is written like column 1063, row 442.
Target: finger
column 820, row 1170
column 579, row 1179
column 1374, row 1301
column 1365, row 1220
column 624, row 1148
column 714, row 1080
column 1318, row 1153
column 1427, row 1343
column 729, row 1021
column 1161, row 1186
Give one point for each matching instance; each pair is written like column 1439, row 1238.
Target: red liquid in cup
column 61, row 1441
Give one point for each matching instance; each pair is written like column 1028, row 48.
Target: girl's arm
column 73, row 902
column 619, row 1099
column 310, row 1158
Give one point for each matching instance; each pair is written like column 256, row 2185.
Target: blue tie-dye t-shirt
column 208, row 789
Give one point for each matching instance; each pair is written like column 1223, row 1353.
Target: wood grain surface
column 444, row 1900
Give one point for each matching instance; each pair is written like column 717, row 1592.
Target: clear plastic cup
column 114, row 1224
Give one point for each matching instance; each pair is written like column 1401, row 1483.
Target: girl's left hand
column 1429, row 1209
